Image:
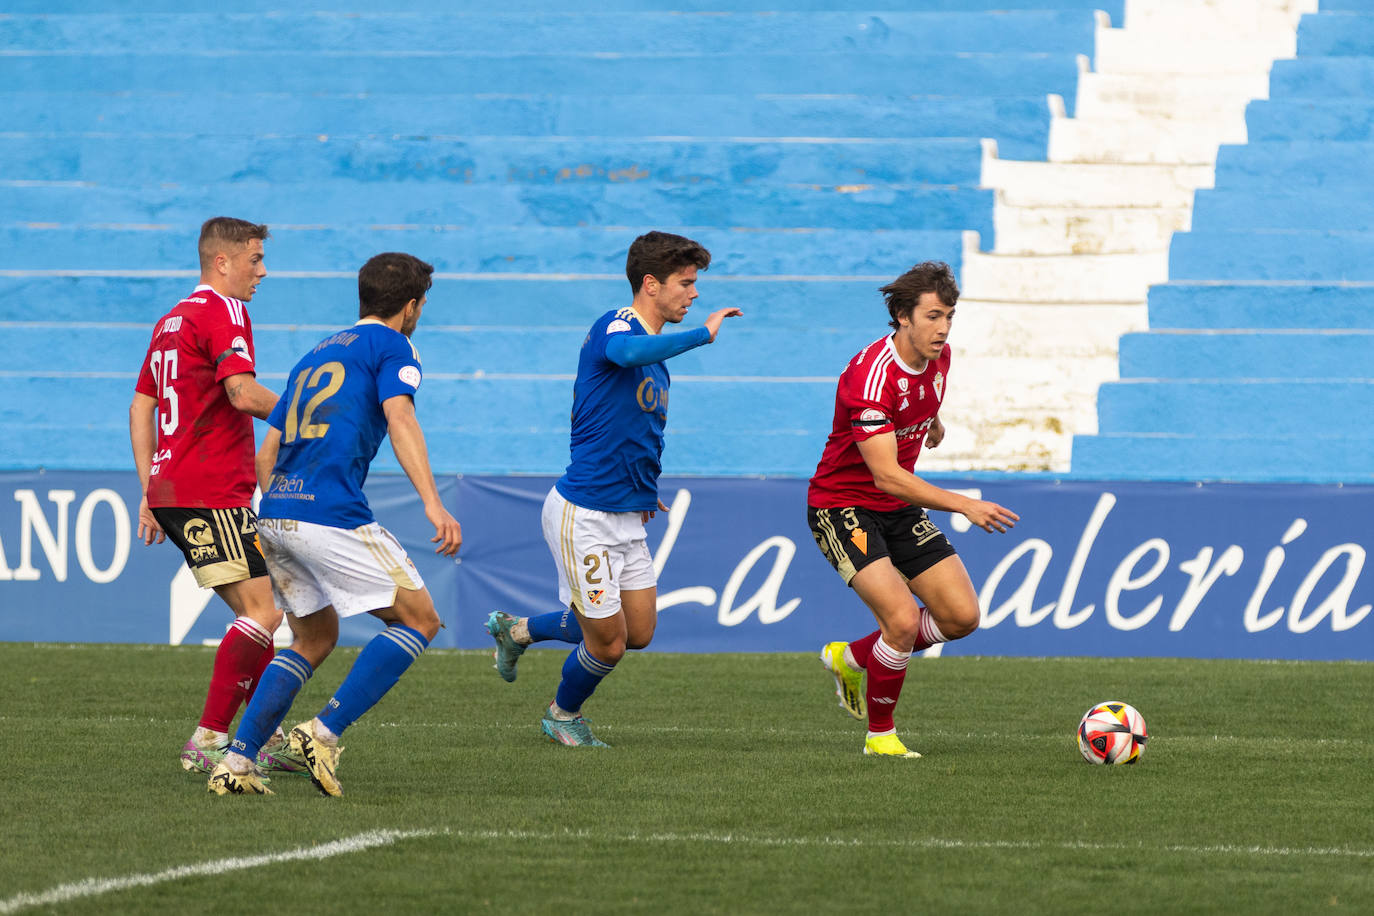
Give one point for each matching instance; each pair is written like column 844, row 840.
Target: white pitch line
column 729, row 839
column 92, row 887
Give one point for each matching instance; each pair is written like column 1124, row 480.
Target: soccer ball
column 1112, row 732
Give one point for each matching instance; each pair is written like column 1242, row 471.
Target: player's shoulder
column 873, row 361
column 618, row 321
column 211, row 308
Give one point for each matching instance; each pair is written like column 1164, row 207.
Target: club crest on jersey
column 240, row 346
column 939, row 386
column 595, row 595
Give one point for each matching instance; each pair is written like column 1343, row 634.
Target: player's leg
column 935, row 575
column 221, row 549
column 256, row 739
column 315, row 628
column 615, row 595
column 834, row 533
column 950, row 604
column 363, row 571
column 884, row 590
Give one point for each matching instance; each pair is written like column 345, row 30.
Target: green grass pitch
column 735, row 785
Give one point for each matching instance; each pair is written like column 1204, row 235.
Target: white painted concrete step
column 1142, row 139
column 1086, row 230
column 1107, row 278
column 1114, row 94
column 1218, row 17
column 1074, row 184
column 1185, row 49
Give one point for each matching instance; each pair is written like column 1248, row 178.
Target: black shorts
column 220, row 545
column 852, row 538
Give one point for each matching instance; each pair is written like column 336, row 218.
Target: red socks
column 886, row 674
column 243, row 654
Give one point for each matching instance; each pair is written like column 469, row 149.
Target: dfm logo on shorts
column 651, row 398
column 197, row 533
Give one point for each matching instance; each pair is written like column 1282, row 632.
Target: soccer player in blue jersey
column 327, row 556
column 594, row 516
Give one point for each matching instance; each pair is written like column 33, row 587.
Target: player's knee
column 639, row 638
column 960, row 621
column 902, row 633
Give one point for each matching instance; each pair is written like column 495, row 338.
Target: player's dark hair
column 389, row 280
column 218, row 231
column 903, row 293
column 658, row 254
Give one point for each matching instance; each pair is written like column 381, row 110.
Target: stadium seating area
column 816, row 146
column 1259, row 361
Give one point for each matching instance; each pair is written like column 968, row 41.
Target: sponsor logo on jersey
column 902, row 384
column 903, row 405
column 410, row 375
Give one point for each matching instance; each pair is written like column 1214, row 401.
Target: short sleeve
column 868, row 416
column 398, row 368
column 229, row 345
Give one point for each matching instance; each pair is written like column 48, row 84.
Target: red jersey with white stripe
column 877, row 393
column 204, row 454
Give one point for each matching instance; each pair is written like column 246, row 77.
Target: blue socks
column 378, row 668
column 558, row 625
column 581, row 675
column 281, row 680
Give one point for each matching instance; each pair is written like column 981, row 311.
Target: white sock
column 558, row 712
column 237, row 763
column 323, row 733
column 520, row 631
column 209, row 738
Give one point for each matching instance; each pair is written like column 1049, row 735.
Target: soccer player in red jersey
column 867, row 508
column 191, row 426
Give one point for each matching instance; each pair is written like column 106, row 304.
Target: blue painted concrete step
column 1017, row 117
column 482, row 300
column 1273, row 458
column 565, row 31
column 1287, row 406
column 594, row 250
column 568, row 204
column 1307, row 208
column 530, row 160
column 1115, row 8
column 1346, row 33
column 1322, row 78
column 929, row 73
column 1247, row 354
column 1296, row 306
column 1272, row 255
column 745, row 347
column 1315, row 164
column 1345, row 119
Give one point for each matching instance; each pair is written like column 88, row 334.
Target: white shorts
column 355, row 569
column 597, row 554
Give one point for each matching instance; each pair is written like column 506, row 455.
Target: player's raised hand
column 715, row 318
column 448, row 534
column 148, row 528
column 990, row 516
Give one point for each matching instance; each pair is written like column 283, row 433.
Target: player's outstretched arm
column 143, row 438
column 880, row 454
column 248, row 395
column 408, row 441
column 715, row 319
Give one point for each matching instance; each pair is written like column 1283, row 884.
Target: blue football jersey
column 332, row 423
column 618, row 417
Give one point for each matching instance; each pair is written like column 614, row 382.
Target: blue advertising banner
column 1094, row 568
